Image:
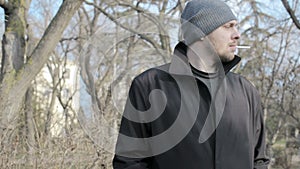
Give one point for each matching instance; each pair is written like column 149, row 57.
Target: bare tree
column 16, row 77
column 17, row 73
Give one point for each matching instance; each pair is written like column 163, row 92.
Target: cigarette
column 243, row 47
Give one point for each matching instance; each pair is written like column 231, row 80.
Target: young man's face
column 225, row 40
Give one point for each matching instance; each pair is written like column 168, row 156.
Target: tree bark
column 13, row 48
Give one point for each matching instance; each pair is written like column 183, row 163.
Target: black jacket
column 179, row 118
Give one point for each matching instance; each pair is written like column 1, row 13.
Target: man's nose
column 236, row 35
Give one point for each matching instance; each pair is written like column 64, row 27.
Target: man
column 194, row 113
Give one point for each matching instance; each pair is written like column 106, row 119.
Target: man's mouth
column 233, row 47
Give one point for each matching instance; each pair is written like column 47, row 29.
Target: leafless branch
column 291, row 13
column 70, row 39
column 142, row 36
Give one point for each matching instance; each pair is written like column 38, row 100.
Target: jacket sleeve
column 127, row 154
column 261, row 161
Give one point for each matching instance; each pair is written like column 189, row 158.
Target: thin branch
column 142, row 36
column 291, row 12
column 70, row 39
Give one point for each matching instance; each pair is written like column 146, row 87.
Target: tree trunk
column 30, row 127
column 13, row 50
column 13, row 43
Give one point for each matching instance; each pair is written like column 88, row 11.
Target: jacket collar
column 180, row 65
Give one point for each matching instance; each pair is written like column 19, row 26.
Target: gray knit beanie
column 201, row 17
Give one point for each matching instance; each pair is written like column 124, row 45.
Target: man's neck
column 204, row 63
column 203, row 58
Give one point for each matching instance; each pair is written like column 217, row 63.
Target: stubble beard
column 227, row 57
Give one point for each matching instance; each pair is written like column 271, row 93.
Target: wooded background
column 45, row 123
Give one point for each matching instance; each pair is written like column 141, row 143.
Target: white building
column 57, row 96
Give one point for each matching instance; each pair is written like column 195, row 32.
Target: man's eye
column 228, row 25
column 231, row 25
